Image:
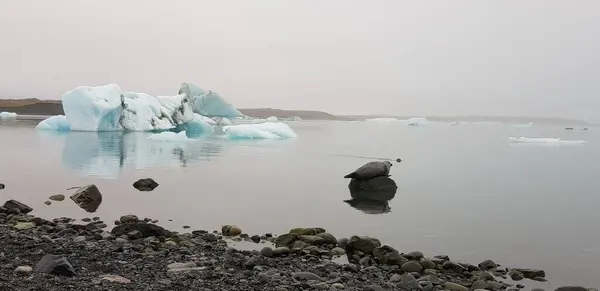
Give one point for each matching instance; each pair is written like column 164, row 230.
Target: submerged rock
column 57, row 265
column 147, row 184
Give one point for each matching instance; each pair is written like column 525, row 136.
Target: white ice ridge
column 272, row 119
column 545, row 140
column 8, row 115
column 266, row 130
column 208, row 103
column 417, row 121
column 169, row 136
column 383, row 119
column 57, row 123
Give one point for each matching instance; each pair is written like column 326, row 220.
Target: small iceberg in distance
column 526, row 125
column 7, row 115
column 417, row 121
column 383, row 120
column 169, row 136
column 544, row 140
column 266, row 130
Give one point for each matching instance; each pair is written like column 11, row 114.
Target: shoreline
column 139, row 254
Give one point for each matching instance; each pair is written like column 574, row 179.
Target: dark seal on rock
column 371, row 170
column 147, row 184
column 57, row 265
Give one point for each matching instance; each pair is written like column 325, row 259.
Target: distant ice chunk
column 7, row 115
column 383, row 119
column 208, row 103
column 57, row 123
column 222, row 121
column 169, row 136
column 108, row 108
column 272, row 119
column 199, row 125
column 526, row 125
column 295, row 118
column 417, row 121
column 266, row 130
column 545, row 140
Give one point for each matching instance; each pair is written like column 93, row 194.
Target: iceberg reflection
column 106, row 154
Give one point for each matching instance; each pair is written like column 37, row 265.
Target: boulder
column 57, row 265
column 231, row 230
column 378, row 189
column 328, row 238
column 285, row 240
column 57, row 197
column 147, row 184
column 311, row 239
column 14, row 204
column 88, row 198
column 307, row 231
column 363, row 244
column 145, row 230
column 531, row 273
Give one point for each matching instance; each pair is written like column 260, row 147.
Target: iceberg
column 266, row 130
column 169, row 136
column 545, row 140
column 57, row 123
column 222, row 121
column 272, row 119
column 199, row 125
column 7, row 115
column 527, row 125
column 108, row 108
column 208, row 103
column 417, row 121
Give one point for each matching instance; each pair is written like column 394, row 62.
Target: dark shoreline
column 146, row 256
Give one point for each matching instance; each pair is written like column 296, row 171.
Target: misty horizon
column 397, row 58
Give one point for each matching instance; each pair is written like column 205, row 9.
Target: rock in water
column 371, row 170
column 14, row 204
column 52, row 264
column 144, row 229
column 88, row 198
column 378, row 189
column 57, row 197
column 1, row 186
column 147, row 184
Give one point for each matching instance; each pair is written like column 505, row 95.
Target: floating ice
column 169, row 136
column 545, row 140
column 272, row 119
column 266, row 130
column 527, row 125
column 199, row 125
column 108, row 108
column 383, row 119
column 222, row 121
column 57, row 123
column 417, row 121
column 8, row 115
column 208, row 103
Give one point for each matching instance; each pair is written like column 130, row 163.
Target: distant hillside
column 475, row 118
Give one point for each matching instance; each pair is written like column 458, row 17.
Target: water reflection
column 372, row 196
column 106, row 154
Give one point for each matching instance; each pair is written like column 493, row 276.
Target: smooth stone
column 23, row 270
column 396, row 278
column 79, row 239
column 455, row 287
column 24, row 225
column 488, row 265
column 128, row 218
column 337, row 251
column 20, row 207
column 328, row 238
column 298, row 245
column 57, row 197
column 364, row 244
column 531, row 273
column 427, row 264
column 338, row 286
column 267, row 252
column 47, row 202
column 231, row 230
column 414, row 255
column 412, row 266
column 116, row 279
column 311, row 239
column 146, row 184
column 308, row 276
column 320, row 286
column 516, row 275
column 571, row 288
column 281, row 251
column 285, row 240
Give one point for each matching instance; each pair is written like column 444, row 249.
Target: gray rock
column 431, row 278
column 18, row 206
column 128, row 218
column 285, row 240
column 210, row 237
column 24, row 225
column 389, row 256
column 57, row 265
column 79, row 239
column 298, row 245
column 414, row 256
column 306, row 276
column 516, row 275
column 328, row 238
column 487, row 265
column 427, row 264
column 343, row 242
column 571, row 288
column 116, row 279
column 481, row 275
column 363, row 244
column 455, row 287
column 453, row 266
column 337, row 251
column 146, row 229
column 88, row 198
column 57, row 197
column 281, row 251
column 426, row 285
column 147, row 184
column 47, row 202
column 412, row 266
column 255, row 238
column 396, row 278
column 320, row 286
column 531, row 273
column 338, row 286
column 311, row 239
column 23, row 270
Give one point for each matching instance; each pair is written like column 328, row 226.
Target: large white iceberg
column 57, row 123
column 8, row 115
column 208, row 103
column 545, row 140
column 108, row 108
column 266, row 130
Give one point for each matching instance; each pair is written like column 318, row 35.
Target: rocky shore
column 137, row 254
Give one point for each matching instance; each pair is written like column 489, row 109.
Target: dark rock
column 57, row 265
column 231, row 230
column 209, row 237
column 146, row 229
column 267, row 252
column 285, row 240
column 531, row 273
column 129, row 218
column 311, row 239
column 307, row 231
column 88, row 198
column 343, row 242
column 147, row 184
column 306, row 276
column 281, row 251
column 488, row 265
column 16, row 205
column 57, row 197
column 453, row 266
column 516, row 275
column 427, row 264
column 328, row 238
column 378, row 189
column 363, row 244
column 47, row 202
column 2, row 186
column 414, row 256
column 255, row 238
column 571, row 288
column 412, row 266
column 389, row 256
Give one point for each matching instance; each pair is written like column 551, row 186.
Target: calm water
column 463, row 190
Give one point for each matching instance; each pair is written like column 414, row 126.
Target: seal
column 371, row 170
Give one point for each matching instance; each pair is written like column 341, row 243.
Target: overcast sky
column 534, row 57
